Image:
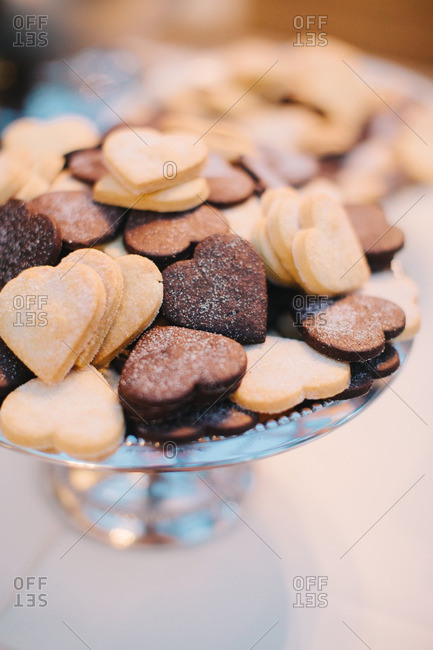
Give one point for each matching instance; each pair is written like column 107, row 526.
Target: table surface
column 353, row 507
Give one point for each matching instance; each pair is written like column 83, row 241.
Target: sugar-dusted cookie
column 144, row 160
column 87, row 165
column 140, row 303
column 326, row 250
column 48, row 316
column 185, row 196
column 13, row 372
column 379, row 239
column 171, row 367
column 222, row 289
column 80, row 415
column 227, row 184
column 26, row 239
column 282, row 373
column 58, row 135
column 166, row 238
column 353, row 328
column 402, row 290
column 82, row 222
column 221, row 419
column 112, row 279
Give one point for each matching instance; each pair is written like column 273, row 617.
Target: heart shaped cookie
column 326, row 251
column 363, row 373
column 112, row 279
column 139, row 304
column 26, row 239
column 167, row 238
column 353, row 328
column 379, row 239
column 59, row 135
column 144, row 160
column 185, row 196
column 227, row 184
column 282, row 373
column 170, row 367
column 82, row 222
column 80, row 415
column 48, row 316
column 222, row 289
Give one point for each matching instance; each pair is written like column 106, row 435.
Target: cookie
column 13, row 176
column 282, row 210
column 112, row 279
column 82, row 222
column 65, row 182
column 242, row 217
column 144, row 160
column 222, row 290
column 283, row 373
column 354, row 328
column 411, row 144
column 167, row 238
column 114, row 248
column 222, row 419
column 48, row 316
column 261, row 172
column 379, row 239
column 13, row 372
column 26, row 239
column 80, row 415
column 186, row 196
column 87, row 165
column 140, row 303
column 35, row 186
column 326, row 251
column 403, row 291
column 363, row 373
column 275, row 271
column 58, row 135
column 172, row 367
column 227, row 184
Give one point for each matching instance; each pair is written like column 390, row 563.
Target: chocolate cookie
column 363, row 373
column 379, row 239
column 172, row 367
column 221, row 419
column 83, row 223
column 222, row 289
column 26, row 239
column 354, row 328
column 87, row 165
column 165, row 238
column 228, row 184
column 277, row 168
column 13, row 372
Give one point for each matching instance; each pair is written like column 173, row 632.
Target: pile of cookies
column 151, row 285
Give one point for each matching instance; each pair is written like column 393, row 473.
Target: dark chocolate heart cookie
column 166, row 238
column 13, row 372
column 87, row 165
column 379, row 239
column 363, row 373
column 172, row 367
column 26, row 240
column 354, row 328
column 222, row 289
column 83, row 223
column 227, row 184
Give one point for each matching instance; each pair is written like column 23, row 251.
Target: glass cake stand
column 146, row 493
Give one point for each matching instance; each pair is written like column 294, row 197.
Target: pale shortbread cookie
column 114, row 248
column 177, row 198
column 35, row 186
column 112, row 279
column 322, row 185
column 59, row 135
column 282, row 373
column 412, row 149
column 80, row 415
column 326, row 251
column 402, row 290
column 275, row 271
column 65, row 182
column 241, row 218
column 144, row 160
column 48, row 316
column 13, row 176
column 140, row 303
column 282, row 209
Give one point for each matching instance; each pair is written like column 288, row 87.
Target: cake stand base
column 126, row 508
